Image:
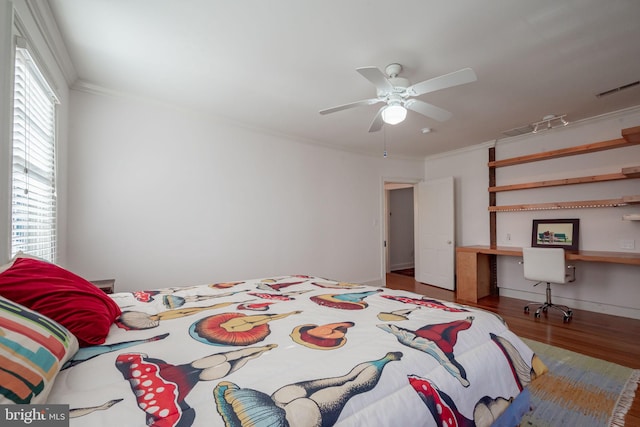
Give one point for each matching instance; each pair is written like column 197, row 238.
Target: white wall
column 471, row 180
column 164, row 197
column 608, row 288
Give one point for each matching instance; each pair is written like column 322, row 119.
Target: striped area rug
column 579, row 390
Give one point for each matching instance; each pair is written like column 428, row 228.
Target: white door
column 435, row 220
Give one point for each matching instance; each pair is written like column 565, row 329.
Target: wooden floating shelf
column 631, row 172
column 630, row 136
column 626, row 173
column 564, row 152
column 606, row 203
column 631, row 200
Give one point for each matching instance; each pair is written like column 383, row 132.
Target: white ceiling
column 274, row 64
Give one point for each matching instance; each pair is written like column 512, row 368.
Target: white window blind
column 33, row 201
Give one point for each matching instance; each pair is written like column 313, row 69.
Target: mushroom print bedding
column 296, row 351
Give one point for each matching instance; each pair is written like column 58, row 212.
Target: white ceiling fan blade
column 428, row 110
column 362, row 103
column 466, row 75
column 377, row 77
column 377, row 122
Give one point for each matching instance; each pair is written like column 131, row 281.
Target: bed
column 292, row 350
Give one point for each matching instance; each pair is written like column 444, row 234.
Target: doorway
column 433, row 231
column 399, row 227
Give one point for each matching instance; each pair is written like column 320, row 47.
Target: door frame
column 384, row 217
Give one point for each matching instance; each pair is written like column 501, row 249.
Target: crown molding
column 48, row 27
column 475, row 147
column 88, row 87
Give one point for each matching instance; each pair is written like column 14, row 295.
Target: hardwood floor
column 612, row 338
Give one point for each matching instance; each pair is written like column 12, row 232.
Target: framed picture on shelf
column 556, row 233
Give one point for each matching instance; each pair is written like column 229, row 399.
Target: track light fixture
column 548, row 122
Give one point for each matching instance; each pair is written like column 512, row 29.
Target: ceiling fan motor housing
column 393, row 70
column 400, row 84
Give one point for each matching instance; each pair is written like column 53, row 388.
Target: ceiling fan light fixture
column 394, row 114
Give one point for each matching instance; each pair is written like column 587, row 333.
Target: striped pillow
column 33, row 348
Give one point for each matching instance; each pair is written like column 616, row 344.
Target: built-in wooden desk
column 473, row 269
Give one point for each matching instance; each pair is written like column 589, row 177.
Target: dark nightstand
column 106, row 285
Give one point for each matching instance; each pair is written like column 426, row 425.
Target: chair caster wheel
column 544, row 309
column 537, row 314
column 569, row 313
column 566, row 319
column 526, row 310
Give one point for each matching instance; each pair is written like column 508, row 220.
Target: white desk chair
column 547, row 265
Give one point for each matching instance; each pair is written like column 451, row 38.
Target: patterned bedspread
column 298, row 351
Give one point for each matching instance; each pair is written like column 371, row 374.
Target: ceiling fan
column 398, row 95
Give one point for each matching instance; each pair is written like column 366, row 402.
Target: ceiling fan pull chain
column 384, row 133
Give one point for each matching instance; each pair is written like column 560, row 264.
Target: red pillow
column 68, row 299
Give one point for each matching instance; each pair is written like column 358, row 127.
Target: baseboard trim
column 375, row 282
column 402, row 266
column 609, row 309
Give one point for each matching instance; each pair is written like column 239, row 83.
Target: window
column 33, row 198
